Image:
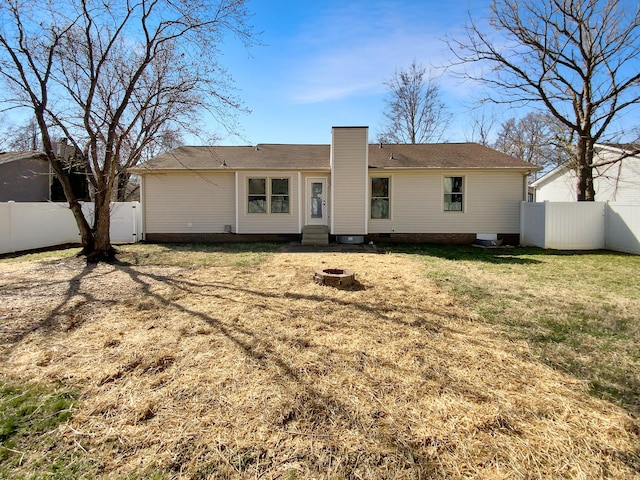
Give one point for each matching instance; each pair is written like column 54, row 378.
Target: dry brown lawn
column 226, row 371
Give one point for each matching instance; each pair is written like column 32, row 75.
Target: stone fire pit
column 335, row 277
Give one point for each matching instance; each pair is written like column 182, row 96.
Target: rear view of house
column 444, row 193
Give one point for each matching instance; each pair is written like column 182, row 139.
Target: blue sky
column 324, row 63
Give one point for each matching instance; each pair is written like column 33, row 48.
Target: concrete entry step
column 315, row 235
column 321, row 229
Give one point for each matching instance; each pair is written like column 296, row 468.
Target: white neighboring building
column 614, row 182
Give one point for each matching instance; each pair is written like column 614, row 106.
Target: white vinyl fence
column 581, row 226
column 623, row 228
column 25, row 226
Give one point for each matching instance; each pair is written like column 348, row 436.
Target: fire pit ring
column 335, row 277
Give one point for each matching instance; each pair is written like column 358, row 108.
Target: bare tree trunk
column 123, row 183
column 584, row 169
column 102, row 249
column 86, row 235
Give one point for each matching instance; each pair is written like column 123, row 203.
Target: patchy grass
column 197, row 255
column 580, row 311
column 44, row 254
column 29, row 435
column 242, row 367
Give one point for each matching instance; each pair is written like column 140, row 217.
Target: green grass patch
column 48, row 254
column 244, row 255
column 579, row 311
column 29, row 417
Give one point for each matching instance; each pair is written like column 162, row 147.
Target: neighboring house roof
column 630, row 149
column 550, row 176
column 317, row 157
column 623, row 147
column 6, row 157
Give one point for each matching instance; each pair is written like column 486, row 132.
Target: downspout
column 135, row 222
column 301, row 209
column 143, row 233
column 331, row 164
column 236, row 229
column 367, row 203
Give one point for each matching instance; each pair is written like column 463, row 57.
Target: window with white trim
column 279, row 195
column 380, row 199
column 453, row 194
column 268, row 195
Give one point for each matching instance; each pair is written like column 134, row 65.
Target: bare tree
column 110, row 76
column 21, row 137
column 165, row 139
column 578, row 59
column 481, row 126
column 414, row 111
column 536, row 138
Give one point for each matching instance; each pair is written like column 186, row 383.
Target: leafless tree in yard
column 481, row 124
column 577, row 59
column 414, row 110
column 536, row 138
column 111, row 77
column 19, row 136
column 164, row 140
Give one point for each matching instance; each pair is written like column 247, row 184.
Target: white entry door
column 316, row 201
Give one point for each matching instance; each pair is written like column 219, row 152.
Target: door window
column 316, row 200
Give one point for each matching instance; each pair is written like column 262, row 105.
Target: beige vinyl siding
column 491, row 203
column 189, row 202
column 268, row 222
column 349, row 197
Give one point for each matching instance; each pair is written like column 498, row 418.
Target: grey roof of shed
column 317, row 157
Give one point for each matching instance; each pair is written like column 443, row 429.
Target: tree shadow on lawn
column 308, row 400
column 226, row 247
column 262, row 347
column 258, row 346
column 498, row 255
column 306, row 397
column 24, row 326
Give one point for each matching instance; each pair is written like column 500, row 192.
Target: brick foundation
column 218, row 238
column 437, row 238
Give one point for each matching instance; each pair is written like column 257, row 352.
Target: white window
column 453, row 194
column 268, row 195
column 380, row 200
column 279, row 195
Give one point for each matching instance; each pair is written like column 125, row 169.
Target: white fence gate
column 581, row 226
column 25, row 226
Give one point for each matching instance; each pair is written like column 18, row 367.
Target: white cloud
column 351, row 51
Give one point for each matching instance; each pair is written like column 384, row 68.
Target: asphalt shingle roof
column 317, row 157
column 7, row 157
